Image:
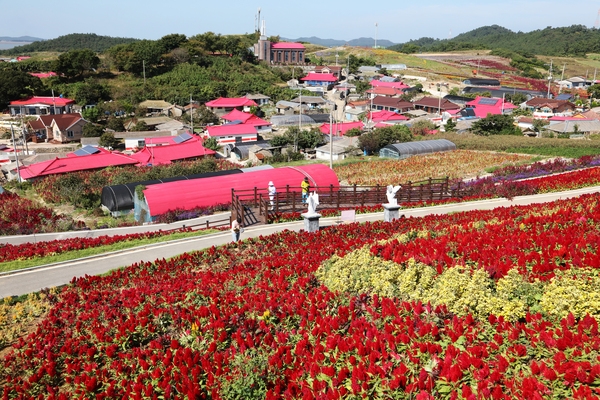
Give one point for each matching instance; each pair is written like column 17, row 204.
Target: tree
column 76, row 63
column 422, row 128
column 279, row 141
column 16, row 85
column 140, row 126
column 539, row 125
column 495, row 125
column 516, row 98
column 211, row 143
column 372, row 142
column 91, row 114
column 108, row 140
column 450, row 125
column 310, row 139
column 92, row 130
column 115, row 124
column 88, row 92
column 353, row 132
column 594, row 91
column 171, row 42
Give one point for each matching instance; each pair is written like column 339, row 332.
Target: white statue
column 391, row 194
column 313, row 202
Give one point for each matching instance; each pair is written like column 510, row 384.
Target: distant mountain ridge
column 360, row 42
column 27, row 39
column 73, row 41
column 575, row 40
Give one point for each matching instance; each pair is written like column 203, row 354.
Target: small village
column 368, row 223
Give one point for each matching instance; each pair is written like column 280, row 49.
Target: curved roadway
column 35, row 279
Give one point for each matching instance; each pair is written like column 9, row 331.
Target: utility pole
column 144, row 70
column 300, row 110
column 12, row 131
column 330, row 141
column 192, row 113
column 549, row 79
column 376, row 27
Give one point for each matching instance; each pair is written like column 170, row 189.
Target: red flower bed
column 20, row 216
column 25, row 251
column 488, row 64
column 255, row 322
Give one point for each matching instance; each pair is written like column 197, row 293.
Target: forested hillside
column 576, row 40
column 74, row 41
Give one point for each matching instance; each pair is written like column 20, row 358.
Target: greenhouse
column 405, row 150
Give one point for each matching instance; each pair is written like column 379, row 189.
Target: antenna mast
column 597, row 24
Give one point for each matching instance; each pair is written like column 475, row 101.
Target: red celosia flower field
column 21, row 216
column 25, row 251
column 255, row 322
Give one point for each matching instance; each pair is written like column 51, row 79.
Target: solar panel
column 184, row 137
column 488, row 102
column 86, row 151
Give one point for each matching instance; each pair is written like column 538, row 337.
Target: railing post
column 255, row 195
column 354, row 194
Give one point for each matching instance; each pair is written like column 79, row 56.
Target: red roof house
column 395, row 85
column 223, row 105
column 248, row 119
column 232, row 133
column 319, row 79
column 386, row 116
column 166, row 154
column 434, row 104
column 41, row 106
column 482, row 106
column 72, row 164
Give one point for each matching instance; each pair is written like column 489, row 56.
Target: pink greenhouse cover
column 190, row 194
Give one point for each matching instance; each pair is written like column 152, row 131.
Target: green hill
column 575, row 40
column 71, row 42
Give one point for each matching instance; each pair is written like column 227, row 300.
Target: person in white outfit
column 272, row 193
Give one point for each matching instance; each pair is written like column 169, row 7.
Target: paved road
column 33, row 280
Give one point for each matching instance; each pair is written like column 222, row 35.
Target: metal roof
column 403, row 150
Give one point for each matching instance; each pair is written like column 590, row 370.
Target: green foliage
column 516, row 98
column 91, row 114
column 76, row 63
column 353, row 132
column 298, row 139
column 75, row 41
column 108, row 140
column 92, row 130
column 450, row 125
column 15, row 85
column 171, row 42
column 89, row 92
column 139, row 192
column 576, row 40
column 372, row 142
column 115, row 124
column 140, row 126
column 495, row 125
column 356, row 62
column 422, row 128
column 211, row 143
column 594, row 91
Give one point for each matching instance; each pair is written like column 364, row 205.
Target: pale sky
column 397, row 21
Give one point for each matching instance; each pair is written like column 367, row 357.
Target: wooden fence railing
column 290, row 198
